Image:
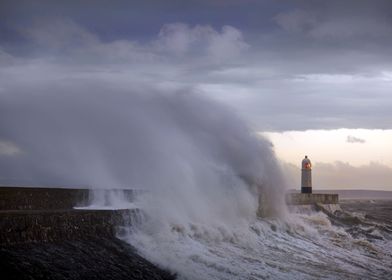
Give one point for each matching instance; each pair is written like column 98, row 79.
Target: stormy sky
column 281, row 65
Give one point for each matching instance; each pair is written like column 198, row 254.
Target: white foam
column 304, row 246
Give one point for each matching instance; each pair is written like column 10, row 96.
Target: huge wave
column 212, row 192
column 307, row 244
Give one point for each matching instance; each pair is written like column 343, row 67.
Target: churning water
column 354, row 243
column 202, row 169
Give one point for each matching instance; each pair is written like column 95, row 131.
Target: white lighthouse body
column 306, row 178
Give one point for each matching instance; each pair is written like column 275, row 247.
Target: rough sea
column 353, row 241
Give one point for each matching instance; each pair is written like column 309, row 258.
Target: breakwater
column 47, row 214
column 311, row 198
column 28, row 226
column 38, row 198
column 43, row 236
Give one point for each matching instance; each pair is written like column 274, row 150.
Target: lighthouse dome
column 306, row 164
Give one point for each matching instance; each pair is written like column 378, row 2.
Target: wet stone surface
column 96, row 258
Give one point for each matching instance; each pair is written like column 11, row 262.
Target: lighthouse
column 306, row 176
column 306, row 197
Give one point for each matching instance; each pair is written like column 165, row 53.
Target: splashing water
column 202, row 172
column 304, row 245
column 197, row 156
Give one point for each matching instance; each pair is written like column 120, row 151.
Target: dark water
column 373, row 211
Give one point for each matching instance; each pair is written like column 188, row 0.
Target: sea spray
column 300, row 246
column 202, row 172
column 202, row 169
column 194, row 153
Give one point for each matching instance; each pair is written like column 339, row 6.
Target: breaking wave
column 306, row 244
column 211, row 191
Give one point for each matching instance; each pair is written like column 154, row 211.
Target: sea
column 350, row 241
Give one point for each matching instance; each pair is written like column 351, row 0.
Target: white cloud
column 227, row 44
column 8, row 149
column 386, row 76
column 180, row 38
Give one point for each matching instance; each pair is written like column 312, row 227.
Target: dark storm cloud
column 283, row 65
column 141, row 19
column 339, row 19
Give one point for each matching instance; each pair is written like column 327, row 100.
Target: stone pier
column 29, row 215
column 311, row 198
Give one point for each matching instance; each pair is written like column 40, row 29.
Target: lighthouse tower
column 306, row 178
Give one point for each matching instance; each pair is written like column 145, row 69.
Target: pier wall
column 311, row 198
column 36, row 198
column 21, row 227
column 43, row 237
column 30, row 215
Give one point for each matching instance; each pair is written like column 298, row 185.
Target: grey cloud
column 352, row 139
column 180, row 38
column 9, row 149
column 341, row 20
column 298, row 21
column 303, row 65
column 344, row 27
column 6, row 58
column 296, row 75
column 59, row 33
column 230, row 43
column 65, row 38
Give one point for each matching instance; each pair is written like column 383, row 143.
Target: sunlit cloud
column 342, row 175
column 334, row 145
